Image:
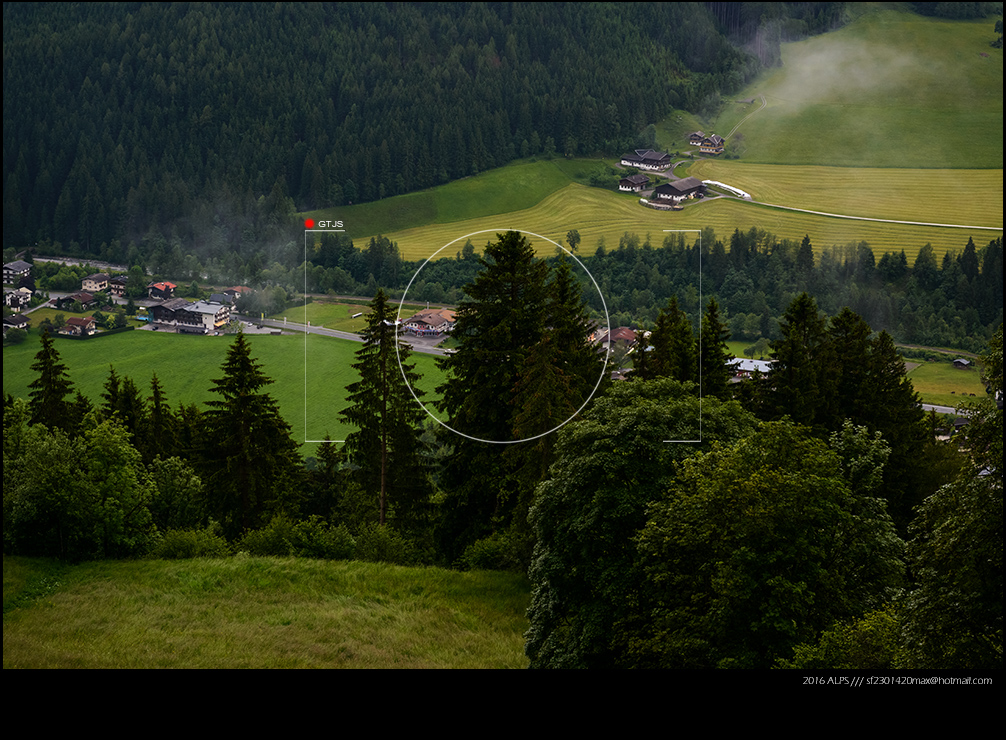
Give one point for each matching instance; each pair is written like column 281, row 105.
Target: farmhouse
column 679, row 190
column 747, row 368
column 183, row 317
column 430, row 322
column 95, row 283
column 14, row 271
column 633, row 183
column 15, row 322
column 163, row 290
column 712, row 144
column 79, row 326
column 623, row 336
column 647, row 159
column 695, row 138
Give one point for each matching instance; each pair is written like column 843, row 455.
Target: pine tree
column 674, row 354
column 47, row 398
column 801, row 366
column 250, row 461
column 715, row 357
column 388, row 420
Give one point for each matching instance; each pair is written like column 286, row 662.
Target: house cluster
column 647, row 159
column 711, row 144
column 100, row 282
column 430, row 322
column 17, row 274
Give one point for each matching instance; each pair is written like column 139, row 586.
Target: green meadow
column 309, row 376
column 598, row 213
column 245, row 612
column 943, row 384
column 890, row 89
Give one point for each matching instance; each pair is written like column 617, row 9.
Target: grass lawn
column 942, row 384
column 186, row 365
column 245, row 612
column 338, row 315
column 890, row 89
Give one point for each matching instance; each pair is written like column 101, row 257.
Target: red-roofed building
column 162, row 291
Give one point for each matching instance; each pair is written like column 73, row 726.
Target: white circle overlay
column 597, row 385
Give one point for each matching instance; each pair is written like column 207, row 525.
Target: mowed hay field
column 597, row 213
column 245, row 612
column 966, row 197
column 187, row 365
column 890, row 89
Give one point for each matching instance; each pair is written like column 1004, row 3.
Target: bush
column 496, row 552
column 312, row 538
column 377, row 544
column 181, row 544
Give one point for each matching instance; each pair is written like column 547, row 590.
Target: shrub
column 180, row 544
column 377, row 544
column 312, row 538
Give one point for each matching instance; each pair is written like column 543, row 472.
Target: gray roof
column 17, row 266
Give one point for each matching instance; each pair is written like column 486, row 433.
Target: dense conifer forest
column 122, row 119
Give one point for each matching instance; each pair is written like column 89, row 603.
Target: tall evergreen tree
column 250, row 462
column 47, row 398
column 715, row 356
column 386, row 444
column 800, row 377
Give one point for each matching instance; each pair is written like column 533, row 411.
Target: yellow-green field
column 596, row 213
column 941, row 383
column 971, row 197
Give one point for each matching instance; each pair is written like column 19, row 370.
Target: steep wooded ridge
column 123, row 119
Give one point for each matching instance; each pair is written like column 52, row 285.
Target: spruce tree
column 714, row 353
column 47, row 398
column 388, row 420
column 250, row 462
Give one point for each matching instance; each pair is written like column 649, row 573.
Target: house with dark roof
column 95, row 283
column 695, row 138
column 647, row 159
column 633, row 183
column 712, row 144
column 79, row 326
column 14, row 271
column 83, row 298
column 201, row 317
column 117, row 286
column 15, row 322
column 679, row 190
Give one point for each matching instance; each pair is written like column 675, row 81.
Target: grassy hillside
column 247, row 612
column 599, row 213
column 971, row 197
column 512, row 188
column 890, row 89
column 186, row 365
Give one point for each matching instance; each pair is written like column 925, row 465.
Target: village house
column 161, row 291
column 14, row 271
column 633, row 183
column 430, row 322
column 712, row 144
column 95, row 283
column 679, row 190
column 201, row 317
column 695, row 138
column 647, row 159
column 623, row 337
column 117, row 286
column 86, row 300
column 79, row 326
column 15, row 322
column 747, row 368
column 15, row 300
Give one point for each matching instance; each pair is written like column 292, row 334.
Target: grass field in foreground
column 890, row 89
column 186, row 365
column 973, row 197
column 245, row 612
column 600, row 213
